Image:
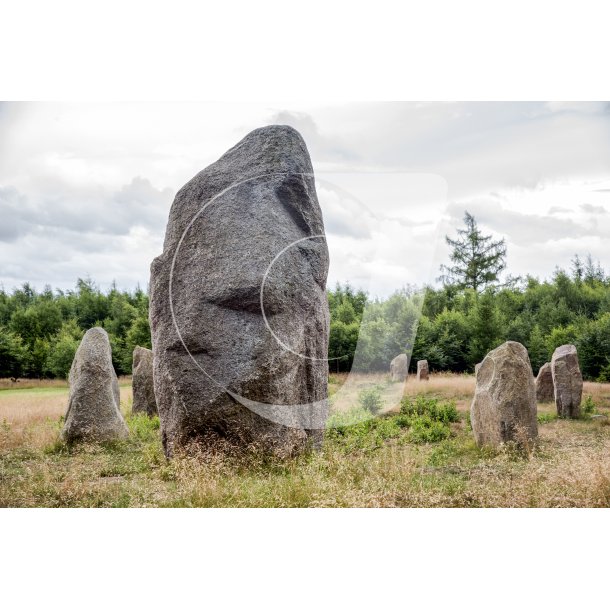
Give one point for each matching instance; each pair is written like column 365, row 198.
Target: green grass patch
column 32, row 391
column 433, row 408
column 545, row 418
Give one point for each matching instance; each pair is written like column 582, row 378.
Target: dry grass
column 569, row 466
column 29, row 418
column 344, row 389
column 28, row 384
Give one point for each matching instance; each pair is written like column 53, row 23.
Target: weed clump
column 370, row 400
column 545, row 418
column 433, row 408
column 588, row 407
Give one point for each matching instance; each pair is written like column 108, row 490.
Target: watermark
column 379, row 227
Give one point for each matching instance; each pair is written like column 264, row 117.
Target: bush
column 545, row 418
column 370, row 399
column 344, row 419
column 360, row 434
column 428, row 418
column 143, row 427
column 604, row 374
column 424, row 429
column 61, row 355
column 588, row 407
column 433, row 408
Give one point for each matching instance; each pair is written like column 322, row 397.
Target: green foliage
column 452, row 327
column 421, row 420
column 545, row 418
column 588, row 407
column 477, row 260
column 63, row 349
column 370, row 400
column 40, row 332
column 357, row 430
column 428, row 418
column 12, row 353
column 484, row 327
column 537, row 348
column 593, row 343
column 142, row 427
column 444, row 411
column 424, row 429
column 604, row 374
column 443, row 342
column 346, row 309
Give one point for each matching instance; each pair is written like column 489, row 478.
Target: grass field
column 389, row 460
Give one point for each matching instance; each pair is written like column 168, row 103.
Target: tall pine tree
column 476, row 259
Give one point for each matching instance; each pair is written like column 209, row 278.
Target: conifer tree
column 476, row 259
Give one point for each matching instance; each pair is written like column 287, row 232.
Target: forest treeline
column 40, row 331
column 453, row 327
column 458, row 324
column 458, row 327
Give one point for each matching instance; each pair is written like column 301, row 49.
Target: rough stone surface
column 422, row 370
column 94, row 401
column 567, row 380
column 504, row 404
column 142, row 382
column 544, row 384
column 399, row 367
column 252, row 375
column 477, row 366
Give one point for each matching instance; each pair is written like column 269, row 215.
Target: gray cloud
column 74, row 206
column 94, row 210
column 329, row 148
column 557, row 209
column 593, row 209
column 74, row 232
column 477, row 147
column 14, row 221
column 520, row 229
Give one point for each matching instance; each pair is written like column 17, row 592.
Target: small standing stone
column 477, row 366
column 422, row 370
column 142, row 382
column 544, row 384
column 504, row 404
column 94, row 400
column 399, row 367
column 567, row 380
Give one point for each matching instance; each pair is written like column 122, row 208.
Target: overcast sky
column 85, row 189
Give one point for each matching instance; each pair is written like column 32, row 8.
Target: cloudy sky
column 85, row 189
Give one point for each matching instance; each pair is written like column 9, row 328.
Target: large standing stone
column 142, row 382
column 422, row 370
column 567, row 381
column 544, row 384
column 238, row 305
column 504, row 404
column 399, row 367
column 94, row 400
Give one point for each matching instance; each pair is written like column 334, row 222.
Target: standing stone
column 399, row 367
column 504, row 404
column 544, row 384
column 477, row 366
column 422, row 370
column 567, row 381
column 142, row 382
column 238, row 307
column 94, row 400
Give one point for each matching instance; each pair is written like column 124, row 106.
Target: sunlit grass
column 393, row 460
